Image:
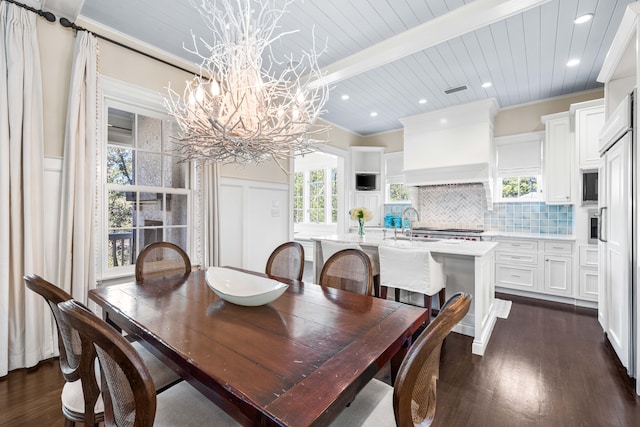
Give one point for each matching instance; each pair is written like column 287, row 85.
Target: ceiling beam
column 470, row 17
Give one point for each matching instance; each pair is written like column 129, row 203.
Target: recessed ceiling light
column 422, row 101
column 573, row 62
column 443, row 121
column 583, row 18
column 374, row 114
column 344, row 97
column 486, row 85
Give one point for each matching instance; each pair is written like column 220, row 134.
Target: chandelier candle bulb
column 236, row 110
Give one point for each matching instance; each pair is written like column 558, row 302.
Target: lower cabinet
column 557, row 275
column 588, row 273
column 542, row 266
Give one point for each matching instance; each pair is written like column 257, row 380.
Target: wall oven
column 589, row 187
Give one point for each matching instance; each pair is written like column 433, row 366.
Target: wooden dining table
column 297, row 361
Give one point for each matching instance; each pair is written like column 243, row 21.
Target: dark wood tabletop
column 297, row 361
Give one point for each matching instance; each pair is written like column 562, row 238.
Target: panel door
column 557, row 274
column 616, row 226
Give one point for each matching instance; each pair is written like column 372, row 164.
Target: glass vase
column 360, row 227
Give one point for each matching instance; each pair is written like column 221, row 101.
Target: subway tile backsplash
column 464, row 206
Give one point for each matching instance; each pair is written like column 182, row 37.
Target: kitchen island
column 469, row 266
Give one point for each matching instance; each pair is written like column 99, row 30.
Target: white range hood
column 451, row 146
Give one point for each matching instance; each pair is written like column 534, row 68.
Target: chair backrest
column 127, row 387
column 414, row 394
column 161, row 259
column 348, row 269
column 76, row 360
column 329, row 248
column 287, row 261
column 411, row 269
column 68, row 339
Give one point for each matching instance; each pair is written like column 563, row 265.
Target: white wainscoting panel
column 52, row 195
column 254, row 219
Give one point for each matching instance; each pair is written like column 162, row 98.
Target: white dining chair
column 414, row 270
column 329, row 248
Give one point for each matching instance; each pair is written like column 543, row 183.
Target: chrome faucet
column 410, row 208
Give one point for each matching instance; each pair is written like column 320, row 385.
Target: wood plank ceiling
column 524, row 56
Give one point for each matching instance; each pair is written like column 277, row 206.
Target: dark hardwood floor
column 546, row 365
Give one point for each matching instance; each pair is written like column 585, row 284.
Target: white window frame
column 327, row 195
column 138, row 100
column 517, row 172
column 394, row 176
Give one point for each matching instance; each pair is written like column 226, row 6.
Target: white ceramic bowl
column 243, row 288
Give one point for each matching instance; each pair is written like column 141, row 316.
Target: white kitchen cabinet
column 558, row 159
column 371, row 200
column 368, row 160
column 588, row 273
column 557, row 275
column 538, row 267
column 589, row 119
column 517, row 264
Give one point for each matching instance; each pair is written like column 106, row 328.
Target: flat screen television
column 365, row 181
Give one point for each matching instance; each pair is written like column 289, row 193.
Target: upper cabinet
column 558, row 159
column 589, row 119
column 367, row 167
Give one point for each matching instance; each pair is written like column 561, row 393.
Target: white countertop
column 444, row 246
column 570, row 237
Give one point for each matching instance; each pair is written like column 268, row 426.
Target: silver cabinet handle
column 600, row 216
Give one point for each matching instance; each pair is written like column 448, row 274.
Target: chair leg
column 376, row 285
column 68, row 423
column 427, row 304
column 383, row 292
column 441, row 296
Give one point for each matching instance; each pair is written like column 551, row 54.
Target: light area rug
column 502, row 307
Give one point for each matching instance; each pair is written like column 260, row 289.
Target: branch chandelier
column 237, row 111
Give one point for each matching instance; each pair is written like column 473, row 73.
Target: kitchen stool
column 414, row 270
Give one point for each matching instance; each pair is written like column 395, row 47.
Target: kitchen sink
column 415, row 239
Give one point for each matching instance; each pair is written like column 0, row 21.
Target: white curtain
column 210, row 179
column 77, row 260
column 26, row 332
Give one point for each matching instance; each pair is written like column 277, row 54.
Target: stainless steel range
column 448, row 233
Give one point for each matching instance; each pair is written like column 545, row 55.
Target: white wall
column 254, row 220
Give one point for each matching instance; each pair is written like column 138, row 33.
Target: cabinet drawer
column 559, row 247
column 517, row 258
column 589, row 256
column 518, row 245
column 517, row 277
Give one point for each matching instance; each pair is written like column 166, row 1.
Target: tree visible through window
column 316, row 195
column 398, row 193
column 315, row 192
column 147, row 191
column 519, row 187
column 298, row 197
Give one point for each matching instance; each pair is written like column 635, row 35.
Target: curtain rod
column 68, row 24
column 46, row 15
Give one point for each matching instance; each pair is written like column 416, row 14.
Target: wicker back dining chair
column 412, row 399
column 161, row 259
column 81, row 388
column 286, row 261
column 330, row 247
column 76, row 394
column 348, row 269
column 127, row 386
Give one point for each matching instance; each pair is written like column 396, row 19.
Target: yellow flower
column 363, row 213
